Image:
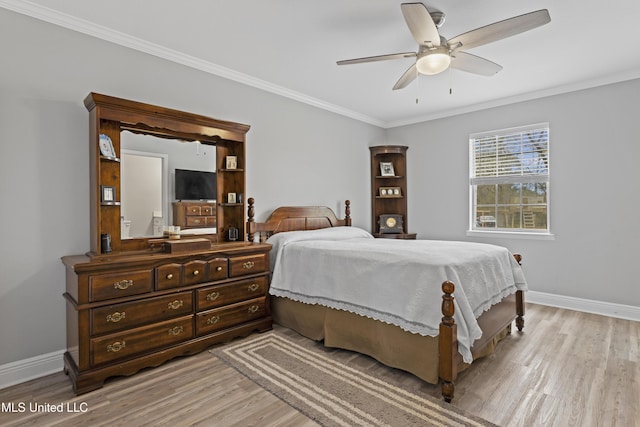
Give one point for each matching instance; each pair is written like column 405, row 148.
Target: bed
column 440, row 330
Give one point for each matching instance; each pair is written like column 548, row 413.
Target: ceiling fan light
column 433, row 62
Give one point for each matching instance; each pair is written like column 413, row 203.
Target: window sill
column 511, row 234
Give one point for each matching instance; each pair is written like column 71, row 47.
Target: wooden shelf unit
column 394, row 204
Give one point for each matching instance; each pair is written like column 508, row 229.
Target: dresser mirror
column 147, row 171
column 163, row 140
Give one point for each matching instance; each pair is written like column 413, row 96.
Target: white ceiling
column 291, row 47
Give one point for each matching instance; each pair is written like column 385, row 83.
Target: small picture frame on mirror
column 231, row 162
column 386, row 169
column 107, row 194
column 106, row 146
column 231, row 197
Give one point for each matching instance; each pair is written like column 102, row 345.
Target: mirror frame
column 110, row 115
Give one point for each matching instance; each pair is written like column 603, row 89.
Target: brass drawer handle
column 248, row 265
column 115, row 317
column 254, row 308
column 218, row 268
column 174, row 305
column 176, row 330
column 213, row 320
column 169, row 276
column 196, row 272
column 213, row 296
column 116, row 346
column 123, row 284
column 253, row 287
column 197, row 221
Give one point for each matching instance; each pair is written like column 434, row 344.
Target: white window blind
column 511, row 156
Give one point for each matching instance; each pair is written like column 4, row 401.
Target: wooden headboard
column 295, row 218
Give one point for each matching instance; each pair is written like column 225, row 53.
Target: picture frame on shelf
column 107, row 194
column 391, row 224
column 106, row 146
column 231, row 198
column 390, row 192
column 231, row 162
column 386, row 169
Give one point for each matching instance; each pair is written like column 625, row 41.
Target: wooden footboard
column 448, row 356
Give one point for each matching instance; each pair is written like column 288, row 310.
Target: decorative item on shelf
column 386, row 169
column 239, row 198
column 105, row 243
column 233, row 234
column 390, row 223
column 231, row 162
column 172, row 232
column 107, row 194
column 106, row 146
column 390, row 192
column 231, row 198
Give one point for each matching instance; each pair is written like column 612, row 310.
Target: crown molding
column 104, row 33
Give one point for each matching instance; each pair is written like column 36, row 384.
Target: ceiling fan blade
column 420, row 24
column 377, row 58
column 474, row 64
column 500, row 30
column 408, row 76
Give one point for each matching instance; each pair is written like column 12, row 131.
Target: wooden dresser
column 194, row 214
column 127, row 313
column 139, row 301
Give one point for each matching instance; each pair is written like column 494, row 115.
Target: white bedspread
column 392, row 280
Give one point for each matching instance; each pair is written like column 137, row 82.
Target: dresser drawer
column 168, row 276
column 250, row 264
column 195, row 272
column 132, row 314
column 220, row 318
column 194, row 210
column 201, row 221
column 206, row 210
column 120, row 284
column 217, row 296
column 218, row 269
column 128, row 343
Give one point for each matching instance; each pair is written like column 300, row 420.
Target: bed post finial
column 347, row 212
column 448, row 343
column 250, row 220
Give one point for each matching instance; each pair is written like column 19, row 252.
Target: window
column 509, row 180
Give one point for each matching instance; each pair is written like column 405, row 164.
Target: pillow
column 332, row 233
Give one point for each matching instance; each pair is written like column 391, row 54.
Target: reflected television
column 195, row 185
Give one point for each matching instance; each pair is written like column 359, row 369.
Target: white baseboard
column 39, row 366
column 28, row 369
column 620, row 311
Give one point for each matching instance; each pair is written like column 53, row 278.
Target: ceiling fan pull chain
column 450, row 82
column 417, row 85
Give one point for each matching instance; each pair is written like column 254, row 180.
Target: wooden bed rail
column 448, row 336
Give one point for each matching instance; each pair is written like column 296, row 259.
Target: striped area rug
column 307, row 377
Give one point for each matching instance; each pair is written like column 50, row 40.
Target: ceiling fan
column 435, row 53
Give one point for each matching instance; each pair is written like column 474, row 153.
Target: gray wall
column 297, row 154
column 594, row 198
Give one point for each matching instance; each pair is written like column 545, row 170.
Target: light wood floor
column 567, row 368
